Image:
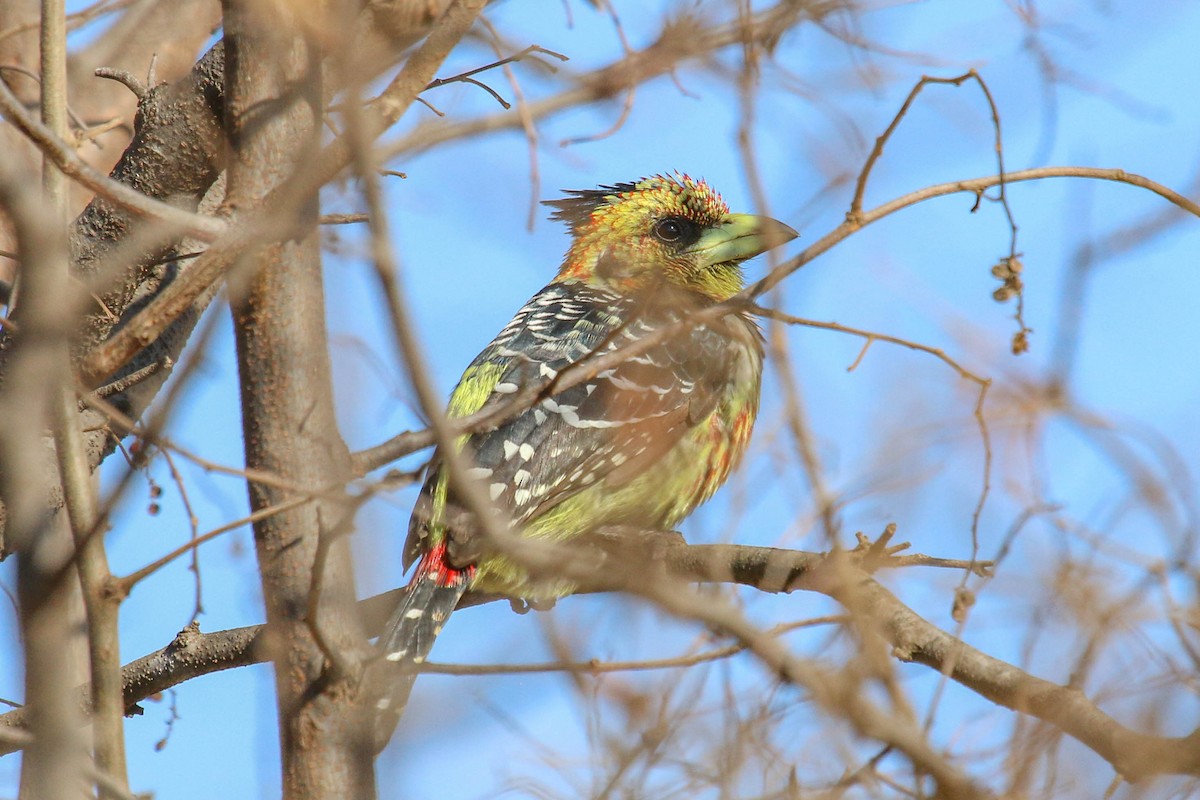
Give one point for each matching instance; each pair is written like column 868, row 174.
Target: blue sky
column 896, row 435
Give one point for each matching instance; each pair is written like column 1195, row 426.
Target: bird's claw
column 522, row 605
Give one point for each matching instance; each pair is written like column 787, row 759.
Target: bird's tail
column 431, row 595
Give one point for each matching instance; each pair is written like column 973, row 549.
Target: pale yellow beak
column 739, row 237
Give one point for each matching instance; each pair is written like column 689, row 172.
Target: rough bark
column 176, row 155
column 274, row 89
column 166, row 35
column 169, row 33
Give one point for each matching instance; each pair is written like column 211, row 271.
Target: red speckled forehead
column 661, row 195
column 677, row 194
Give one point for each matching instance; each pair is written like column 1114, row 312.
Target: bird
column 642, row 443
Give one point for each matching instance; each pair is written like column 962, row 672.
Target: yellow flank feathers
column 473, row 390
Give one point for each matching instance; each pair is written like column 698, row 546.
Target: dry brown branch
column 984, row 384
column 780, row 356
column 469, row 75
column 193, row 530
column 158, row 169
column 64, row 158
column 271, row 218
column 912, row 638
column 124, row 585
column 680, row 41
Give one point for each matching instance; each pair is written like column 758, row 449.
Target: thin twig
column 193, row 530
column 341, row 219
column 126, row 382
column 125, row 78
column 596, row 666
column 532, row 49
column 123, row 585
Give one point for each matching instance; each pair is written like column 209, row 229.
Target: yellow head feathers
column 665, row 229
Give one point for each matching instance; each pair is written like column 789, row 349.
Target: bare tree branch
column 271, row 219
column 912, row 638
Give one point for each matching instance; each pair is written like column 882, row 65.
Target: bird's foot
column 522, row 605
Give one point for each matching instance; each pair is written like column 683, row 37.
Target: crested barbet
column 641, row 444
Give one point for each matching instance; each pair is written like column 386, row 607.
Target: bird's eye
column 669, row 230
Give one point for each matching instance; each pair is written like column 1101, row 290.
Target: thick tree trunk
column 274, row 90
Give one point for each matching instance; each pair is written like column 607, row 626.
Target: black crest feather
column 576, row 209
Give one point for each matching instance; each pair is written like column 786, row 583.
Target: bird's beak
column 739, row 237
